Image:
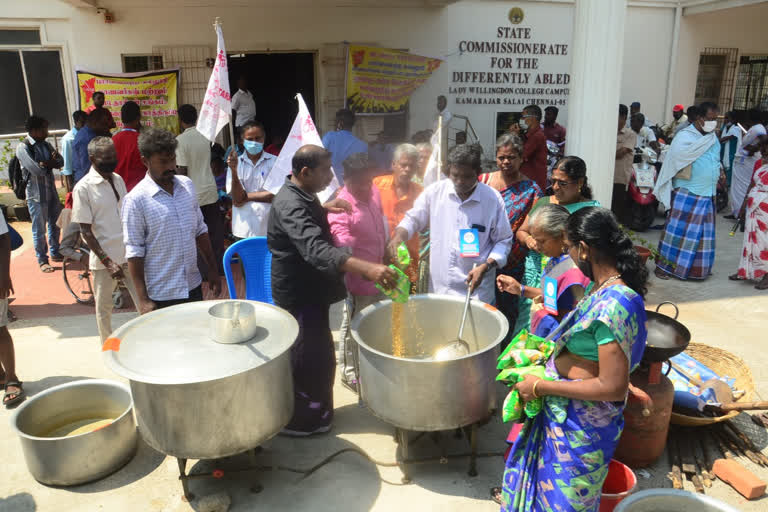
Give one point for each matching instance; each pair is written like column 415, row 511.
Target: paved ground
column 56, row 344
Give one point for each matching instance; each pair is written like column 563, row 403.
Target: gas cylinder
column 646, row 417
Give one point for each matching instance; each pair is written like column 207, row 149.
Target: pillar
column 597, row 54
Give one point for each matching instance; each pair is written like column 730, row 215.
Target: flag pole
column 216, row 26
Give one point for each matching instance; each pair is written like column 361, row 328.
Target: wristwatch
column 492, row 264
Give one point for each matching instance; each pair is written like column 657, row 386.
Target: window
column 139, row 63
column 752, row 84
column 19, row 37
column 716, row 77
column 32, row 83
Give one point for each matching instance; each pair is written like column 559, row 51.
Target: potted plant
column 644, row 248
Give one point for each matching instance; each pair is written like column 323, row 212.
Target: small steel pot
column 657, row 500
column 85, row 457
column 233, row 321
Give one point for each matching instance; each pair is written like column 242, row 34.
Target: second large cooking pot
column 413, row 392
column 195, row 398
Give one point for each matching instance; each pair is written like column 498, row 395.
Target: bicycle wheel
column 77, row 278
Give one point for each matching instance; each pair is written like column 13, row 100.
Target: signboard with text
column 156, row 92
column 381, row 80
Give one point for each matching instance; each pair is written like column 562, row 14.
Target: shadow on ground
column 349, row 479
column 22, row 502
column 143, row 463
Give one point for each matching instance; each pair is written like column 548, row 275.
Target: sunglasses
column 563, row 183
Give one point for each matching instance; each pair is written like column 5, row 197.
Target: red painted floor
column 39, row 295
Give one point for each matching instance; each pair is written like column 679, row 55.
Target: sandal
column 762, row 285
column 496, row 494
column 735, row 277
column 46, row 268
column 350, row 384
column 13, row 397
column 661, row 274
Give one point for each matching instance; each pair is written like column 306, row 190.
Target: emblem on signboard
column 516, row 15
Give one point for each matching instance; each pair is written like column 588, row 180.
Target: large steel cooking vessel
column 76, row 459
column 413, row 392
column 198, row 399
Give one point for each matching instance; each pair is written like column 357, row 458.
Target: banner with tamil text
column 156, row 92
column 381, row 80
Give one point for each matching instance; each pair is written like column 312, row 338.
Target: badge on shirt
column 550, row 295
column 469, row 243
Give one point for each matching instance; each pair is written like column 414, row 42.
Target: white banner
column 217, row 105
column 302, row 132
column 433, row 174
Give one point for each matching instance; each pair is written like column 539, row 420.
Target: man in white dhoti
column 744, row 163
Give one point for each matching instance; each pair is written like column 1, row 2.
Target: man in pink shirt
column 362, row 231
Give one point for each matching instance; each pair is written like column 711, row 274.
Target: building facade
column 498, row 56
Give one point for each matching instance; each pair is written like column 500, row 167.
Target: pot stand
column 403, row 444
column 218, row 474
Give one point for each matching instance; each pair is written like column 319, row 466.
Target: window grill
column 752, row 83
column 139, row 63
column 717, row 76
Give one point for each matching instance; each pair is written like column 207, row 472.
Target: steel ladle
column 458, row 347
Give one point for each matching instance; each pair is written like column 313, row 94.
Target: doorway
column 274, row 79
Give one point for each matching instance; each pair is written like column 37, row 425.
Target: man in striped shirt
column 163, row 229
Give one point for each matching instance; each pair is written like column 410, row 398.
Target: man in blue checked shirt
column 163, row 229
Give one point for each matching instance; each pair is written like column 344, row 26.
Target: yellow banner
column 381, row 81
column 156, row 92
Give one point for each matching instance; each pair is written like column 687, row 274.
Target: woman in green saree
column 569, row 184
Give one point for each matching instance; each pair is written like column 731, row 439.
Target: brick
column 740, row 478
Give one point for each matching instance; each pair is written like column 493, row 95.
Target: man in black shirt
column 307, row 277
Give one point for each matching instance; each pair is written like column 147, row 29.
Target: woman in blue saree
column 560, row 459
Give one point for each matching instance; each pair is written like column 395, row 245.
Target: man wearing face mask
column 246, row 177
column 535, row 145
column 686, row 186
column 462, row 214
column 97, row 199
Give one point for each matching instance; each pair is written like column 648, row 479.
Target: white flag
column 433, row 173
column 303, row 132
column 217, row 105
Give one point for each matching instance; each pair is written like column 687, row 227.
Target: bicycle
column 77, row 279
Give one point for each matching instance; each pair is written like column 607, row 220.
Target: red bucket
column 620, row 483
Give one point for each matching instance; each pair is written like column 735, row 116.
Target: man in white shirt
column 645, row 136
column 678, row 121
column 243, row 104
column 96, row 203
column 453, row 209
column 193, row 159
column 245, row 183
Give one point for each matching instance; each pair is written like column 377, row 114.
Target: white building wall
column 742, row 28
column 647, row 46
column 140, row 25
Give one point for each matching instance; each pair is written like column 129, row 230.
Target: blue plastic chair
column 257, row 267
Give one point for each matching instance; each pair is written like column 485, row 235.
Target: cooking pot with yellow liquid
column 77, row 432
column 402, row 383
